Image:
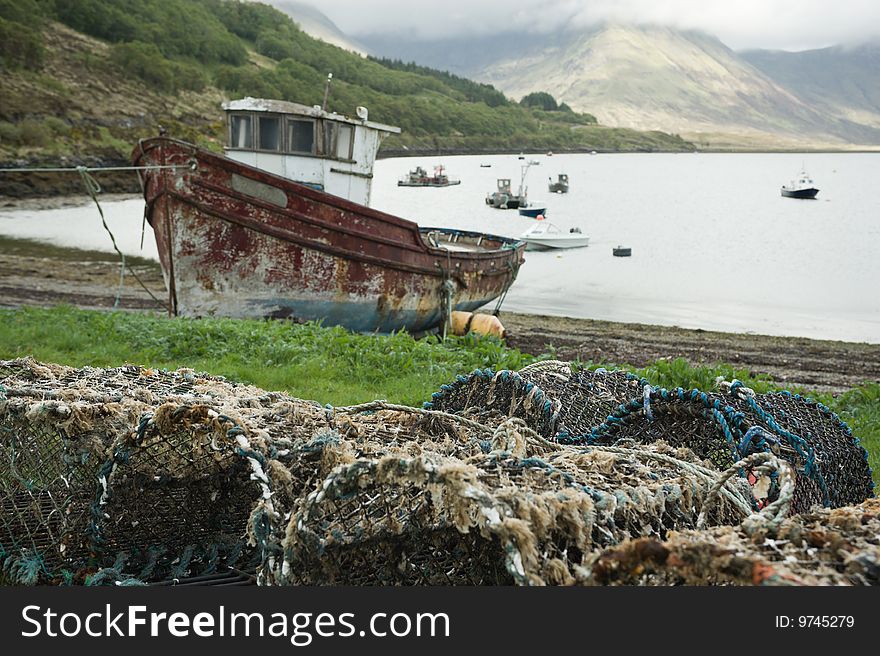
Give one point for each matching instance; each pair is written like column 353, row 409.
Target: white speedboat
column 545, row 236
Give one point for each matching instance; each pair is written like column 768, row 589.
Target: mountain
column 643, row 77
column 81, row 81
column 317, row 25
column 843, row 81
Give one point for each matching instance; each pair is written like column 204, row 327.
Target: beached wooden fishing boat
column 280, row 227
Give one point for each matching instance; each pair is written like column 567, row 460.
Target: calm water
column 714, row 244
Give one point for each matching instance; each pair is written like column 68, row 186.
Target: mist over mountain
column 653, row 77
column 841, row 80
column 318, row 25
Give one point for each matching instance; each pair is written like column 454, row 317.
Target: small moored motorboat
column 545, row 236
column 801, row 187
column 533, row 212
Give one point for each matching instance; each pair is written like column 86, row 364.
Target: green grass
column 332, row 365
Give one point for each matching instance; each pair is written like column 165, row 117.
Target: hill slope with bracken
column 87, row 79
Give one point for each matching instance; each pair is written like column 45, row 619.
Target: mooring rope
column 95, row 169
column 93, row 189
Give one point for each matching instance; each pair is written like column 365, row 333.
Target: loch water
column 714, row 244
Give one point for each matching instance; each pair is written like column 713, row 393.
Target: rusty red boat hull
column 237, row 241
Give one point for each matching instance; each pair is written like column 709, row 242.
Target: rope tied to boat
column 93, row 189
column 191, row 165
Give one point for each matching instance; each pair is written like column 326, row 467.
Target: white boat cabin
column 324, row 150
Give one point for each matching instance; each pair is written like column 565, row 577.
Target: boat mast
column 522, row 179
column 327, row 91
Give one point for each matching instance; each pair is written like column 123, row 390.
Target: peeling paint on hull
column 236, row 241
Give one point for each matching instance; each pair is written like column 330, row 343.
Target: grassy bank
column 332, row 365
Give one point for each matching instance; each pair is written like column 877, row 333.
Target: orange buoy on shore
column 482, row 324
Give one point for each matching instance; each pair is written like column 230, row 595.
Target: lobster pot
column 132, row 474
column 495, row 519
column 178, row 497
column 551, row 398
column 490, row 398
column 831, row 466
column 821, row 547
column 586, row 398
column 842, row 473
column 50, row 454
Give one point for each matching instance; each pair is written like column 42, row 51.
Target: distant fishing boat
column 485, row 166
column 621, row 251
column 545, row 236
column 420, row 178
column 280, row 227
column 561, row 184
column 503, row 197
column 800, row 187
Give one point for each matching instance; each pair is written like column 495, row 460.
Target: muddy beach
column 39, row 275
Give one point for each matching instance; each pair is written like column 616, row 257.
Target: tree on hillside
column 540, row 99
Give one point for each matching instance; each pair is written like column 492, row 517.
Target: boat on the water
column 420, row 178
column 545, row 236
column 800, row 187
column 503, row 197
column 621, row 251
column 533, row 212
column 281, row 227
column 561, row 184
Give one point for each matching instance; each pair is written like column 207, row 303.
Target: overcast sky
column 741, row 24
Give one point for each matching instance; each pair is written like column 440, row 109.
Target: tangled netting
column 822, row 547
column 542, row 476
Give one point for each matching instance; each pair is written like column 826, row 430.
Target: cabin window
column 300, row 136
column 242, row 129
column 343, row 142
column 338, row 140
column 270, row 133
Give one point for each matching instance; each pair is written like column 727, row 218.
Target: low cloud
column 741, row 24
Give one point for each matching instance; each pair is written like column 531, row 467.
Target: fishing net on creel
column 50, row 455
column 493, row 518
column 822, row 547
column 832, row 467
column 547, row 395
column 134, row 472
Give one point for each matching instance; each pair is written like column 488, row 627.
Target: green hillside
column 86, row 78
